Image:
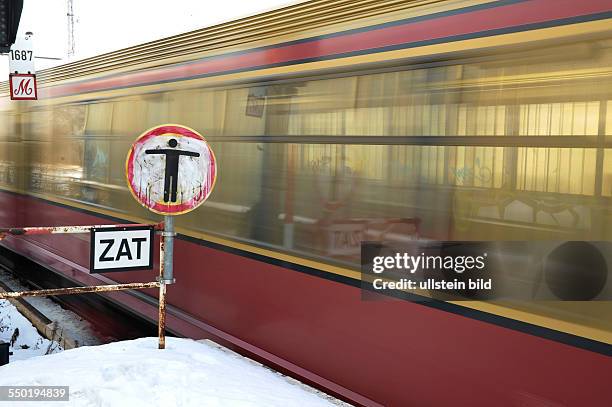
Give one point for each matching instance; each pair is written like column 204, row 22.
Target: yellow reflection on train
column 508, row 146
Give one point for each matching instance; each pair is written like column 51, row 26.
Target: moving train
column 335, row 122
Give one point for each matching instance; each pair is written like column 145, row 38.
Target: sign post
column 170, row 170
column 22, row 76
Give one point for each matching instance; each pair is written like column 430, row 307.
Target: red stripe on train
column 502, row 17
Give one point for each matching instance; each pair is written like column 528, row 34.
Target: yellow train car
column 335, row 122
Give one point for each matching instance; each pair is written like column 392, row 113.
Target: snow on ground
column 25, row 340
column 136, row 373
column 78, row 328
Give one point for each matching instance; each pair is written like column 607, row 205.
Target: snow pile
column 136, row 373
column 25, row 340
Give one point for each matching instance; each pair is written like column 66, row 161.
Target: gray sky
column 103, row 26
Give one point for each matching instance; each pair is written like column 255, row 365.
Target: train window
column 183, row 107
column 53, row 149
column 608, row 119
column 468, row 151
column 357, row 152
column 9, row 149
column 203, row 110
column 240, row 119
column 99, row 118
column 129, row 117
column 156, row 105
column 607, row 173
column 560, row 119
column 38, row 124
column 69, row 120
column 314, row 123
column 562, row 170
column 8, row 126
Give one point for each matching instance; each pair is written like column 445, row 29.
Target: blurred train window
column 68, row 128
column 203, row 110
column 478, row 149
column 9, row 149
column 473, row 176
column 563, row 170
column 607, row 175
column 184, row 107
column 99, row 118
column 129, row 117
column 69, row 120
column 39, row 124
column 156, row 105
column 608, row 119
column 232, row 113
column 7, row 125
column 98, row 141
column 559, row 119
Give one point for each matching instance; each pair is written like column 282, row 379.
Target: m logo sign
column 23, row 87
column 121, row 249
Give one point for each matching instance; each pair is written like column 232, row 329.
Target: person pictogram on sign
column 171, row 171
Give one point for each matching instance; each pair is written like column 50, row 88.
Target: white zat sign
column 121, row 249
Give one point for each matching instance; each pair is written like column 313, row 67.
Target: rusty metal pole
column 52, row 230
column 78, row 290
column 166, row 257
column 161, row 328
column 161, row 322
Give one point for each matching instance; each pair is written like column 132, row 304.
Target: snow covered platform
column 136, row 373
column 25, row 341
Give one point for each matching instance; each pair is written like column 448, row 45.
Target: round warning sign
column 171, row 169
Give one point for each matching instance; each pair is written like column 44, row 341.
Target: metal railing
column 166, row 232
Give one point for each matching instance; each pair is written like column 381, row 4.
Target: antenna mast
column 70, row 15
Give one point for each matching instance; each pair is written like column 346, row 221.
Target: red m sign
column 23, row 87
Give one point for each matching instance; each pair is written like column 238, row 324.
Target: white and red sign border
column 24, row 75
column 165, row 208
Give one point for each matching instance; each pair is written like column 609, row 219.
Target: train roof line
column 243, row 33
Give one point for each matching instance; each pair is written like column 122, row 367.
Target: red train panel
column 392, row 352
